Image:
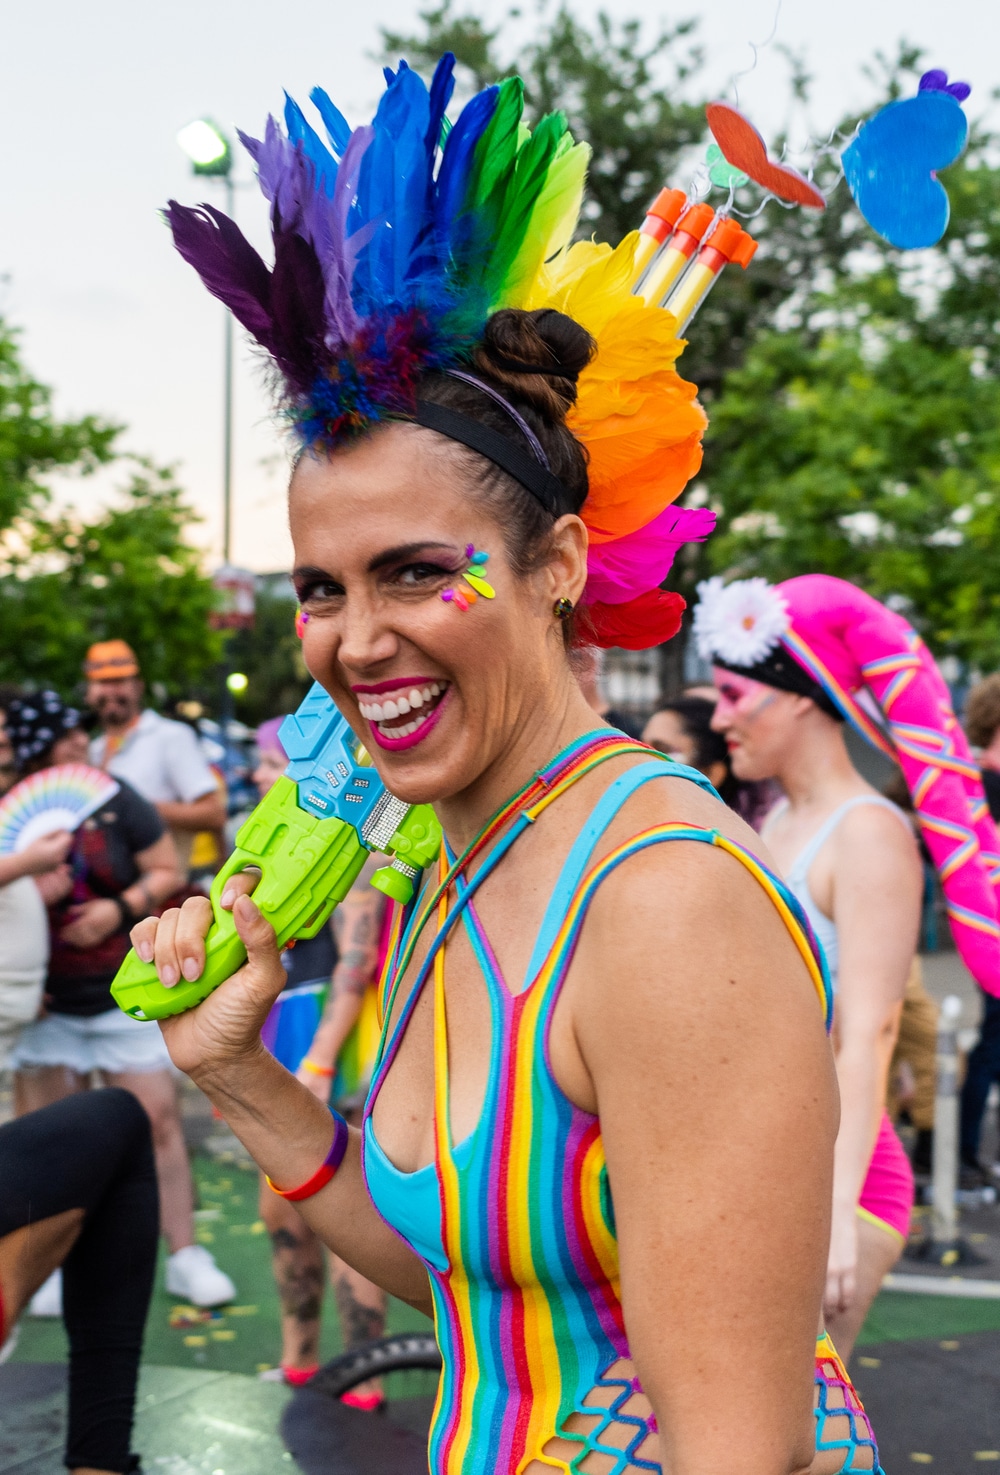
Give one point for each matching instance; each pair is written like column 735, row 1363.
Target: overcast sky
column 92, row 96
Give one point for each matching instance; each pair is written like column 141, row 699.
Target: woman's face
column 758, row 723
column 667, row 732
column 72, row 747
column 270, row 767
column 435, row 693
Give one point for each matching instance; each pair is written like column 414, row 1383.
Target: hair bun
column 536, row 357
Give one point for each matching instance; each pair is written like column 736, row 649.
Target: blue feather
column 338, row 130
column 392, row 190
column 302, row 133
column 442, row 87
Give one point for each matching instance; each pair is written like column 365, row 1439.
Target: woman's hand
column 91, row 922
column 225, row 1026
column 842, row 1265
column 47, row 853
column 55, row 886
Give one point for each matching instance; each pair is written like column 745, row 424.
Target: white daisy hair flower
column 739, row 623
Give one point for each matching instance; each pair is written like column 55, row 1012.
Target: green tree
column 66, row 582
column 33, row 443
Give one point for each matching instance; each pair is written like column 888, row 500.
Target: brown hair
column 533, row 359
column 982, row 711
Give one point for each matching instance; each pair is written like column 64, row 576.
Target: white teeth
column 401, row 706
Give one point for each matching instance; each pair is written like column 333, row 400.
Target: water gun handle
column 307, row 867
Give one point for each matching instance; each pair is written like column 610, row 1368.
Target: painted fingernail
column 145, row 951
column 190, row 969
column 228, row 897
column 168, row 976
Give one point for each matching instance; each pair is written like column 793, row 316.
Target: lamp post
column 211, row 156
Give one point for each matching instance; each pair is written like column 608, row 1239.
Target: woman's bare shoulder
column 675, row 799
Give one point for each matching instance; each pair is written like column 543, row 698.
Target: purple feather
column 297, row 290
column 227, row 263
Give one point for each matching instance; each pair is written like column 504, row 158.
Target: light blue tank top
column 797, row 879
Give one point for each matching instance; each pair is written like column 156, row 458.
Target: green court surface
column 242, row 1338
column 900, row 1317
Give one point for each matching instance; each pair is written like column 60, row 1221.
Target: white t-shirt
column 162, row 760
column 24, row 957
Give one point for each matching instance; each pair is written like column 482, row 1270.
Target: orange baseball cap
column 110, row 660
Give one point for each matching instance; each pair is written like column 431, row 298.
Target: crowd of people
column 67, row 902
column 614, row 1108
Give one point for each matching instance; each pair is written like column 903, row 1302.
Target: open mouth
column 406, row 713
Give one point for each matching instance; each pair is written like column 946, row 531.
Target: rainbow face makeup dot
column 301, row 621
column 473, row 585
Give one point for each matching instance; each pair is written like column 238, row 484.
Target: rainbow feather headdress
column 394, row 242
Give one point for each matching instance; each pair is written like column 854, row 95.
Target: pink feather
column 619, row 571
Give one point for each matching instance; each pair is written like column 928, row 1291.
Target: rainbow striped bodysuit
column 515, row 1223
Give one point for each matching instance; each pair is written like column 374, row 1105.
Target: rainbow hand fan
column 57, row 798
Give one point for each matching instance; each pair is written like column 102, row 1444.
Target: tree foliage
column 33, row 443
column 66, row 581
column 129, row 572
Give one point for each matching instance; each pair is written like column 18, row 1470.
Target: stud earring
column 473, row 583
column 563, row 608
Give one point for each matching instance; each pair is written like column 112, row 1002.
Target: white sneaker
column 7, row 1350
column 47, row 1300
column 193, row 1275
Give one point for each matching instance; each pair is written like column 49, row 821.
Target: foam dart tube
column 661, row 217
column 676, row 254
column 728, row 242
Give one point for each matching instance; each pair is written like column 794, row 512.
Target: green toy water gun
column 309, row 837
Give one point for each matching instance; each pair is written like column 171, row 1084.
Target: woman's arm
column 702, row 1038
column 160, row 875
column 356, row 922
column 283, row 1126
column 877, row 886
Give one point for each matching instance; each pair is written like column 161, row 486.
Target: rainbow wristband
column 325, row 1171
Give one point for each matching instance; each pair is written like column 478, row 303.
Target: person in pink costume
column 793, row 662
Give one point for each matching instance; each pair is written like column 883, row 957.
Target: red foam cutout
column 743, row 147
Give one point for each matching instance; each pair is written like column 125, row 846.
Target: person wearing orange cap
column 161, row 759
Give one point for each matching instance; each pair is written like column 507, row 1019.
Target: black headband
column 554, row 496
column 781, row 670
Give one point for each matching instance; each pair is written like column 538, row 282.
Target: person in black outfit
column 78, row 1188
column 982, row 726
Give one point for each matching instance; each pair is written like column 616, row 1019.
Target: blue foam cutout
column 890, row 167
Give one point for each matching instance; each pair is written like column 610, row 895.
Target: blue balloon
column 890, row 167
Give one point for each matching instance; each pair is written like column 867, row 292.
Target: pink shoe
column 368, row 1403
column 299, row 1376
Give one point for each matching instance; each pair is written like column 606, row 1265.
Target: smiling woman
column 575, row 1081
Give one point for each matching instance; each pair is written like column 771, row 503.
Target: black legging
column 92, row 1151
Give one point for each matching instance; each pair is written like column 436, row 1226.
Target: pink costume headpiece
column 855, row 650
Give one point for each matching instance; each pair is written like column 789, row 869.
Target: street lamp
column 210, row 153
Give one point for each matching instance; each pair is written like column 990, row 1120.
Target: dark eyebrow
column 404, row 551
column 307, row 573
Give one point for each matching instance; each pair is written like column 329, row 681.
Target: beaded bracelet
column 317, row 1070
column 325, row 1171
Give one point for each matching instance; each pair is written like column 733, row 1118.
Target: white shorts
column 111, row 1041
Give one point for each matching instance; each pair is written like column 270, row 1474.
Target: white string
column 755, row 47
